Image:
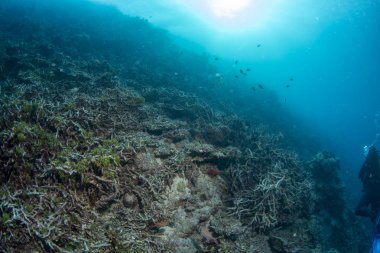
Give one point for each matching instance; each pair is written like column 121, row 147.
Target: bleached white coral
column 178, row 190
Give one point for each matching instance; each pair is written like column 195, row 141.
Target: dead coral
column 66, row 163
column 207, row 235
column 108, row 150
column 330, row 212
column 269, row 186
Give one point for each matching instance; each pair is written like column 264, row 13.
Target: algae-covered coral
column 103, row 149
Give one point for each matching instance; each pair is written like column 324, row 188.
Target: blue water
column 330, row 49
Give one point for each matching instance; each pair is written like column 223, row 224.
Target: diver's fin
column 376, row 244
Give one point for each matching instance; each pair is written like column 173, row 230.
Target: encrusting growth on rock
column 208, row 238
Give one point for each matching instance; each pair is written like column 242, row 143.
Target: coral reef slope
column 108, row 143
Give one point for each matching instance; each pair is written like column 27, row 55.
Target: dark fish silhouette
column 248, row 69
column 258, row 45
column 242, row 72
column 253, row 88
column 236, row 62
column 287, row 86
column 236, row 76
column 291, row 79
column 260, row 86
column 216, row 58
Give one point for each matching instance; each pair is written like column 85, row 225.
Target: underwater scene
column 220, row 126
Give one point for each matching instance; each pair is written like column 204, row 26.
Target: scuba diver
column 370, row 176
column 369, row 204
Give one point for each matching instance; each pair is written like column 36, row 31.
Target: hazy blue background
column 329, row 47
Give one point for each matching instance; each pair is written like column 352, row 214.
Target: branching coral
column 269, row 188
column 85, row 159
column 68, row 156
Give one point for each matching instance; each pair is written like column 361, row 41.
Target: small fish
column 236, row 76
column 242, row 72
column 236, row 62
column 260, row 86
column 216, row 58
column 160, row 224
column 248, row 69
column 287, row 86
column 253, row 88
column 213, row 172
column 291, row 79
column 258, row 45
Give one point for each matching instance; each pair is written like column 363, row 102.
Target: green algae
column 5, row 217
column 136, row 100
column 102, row 159
column 35, row 136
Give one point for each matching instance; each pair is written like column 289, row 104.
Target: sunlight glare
column 230, row 9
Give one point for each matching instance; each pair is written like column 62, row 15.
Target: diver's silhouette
column 369, row 204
